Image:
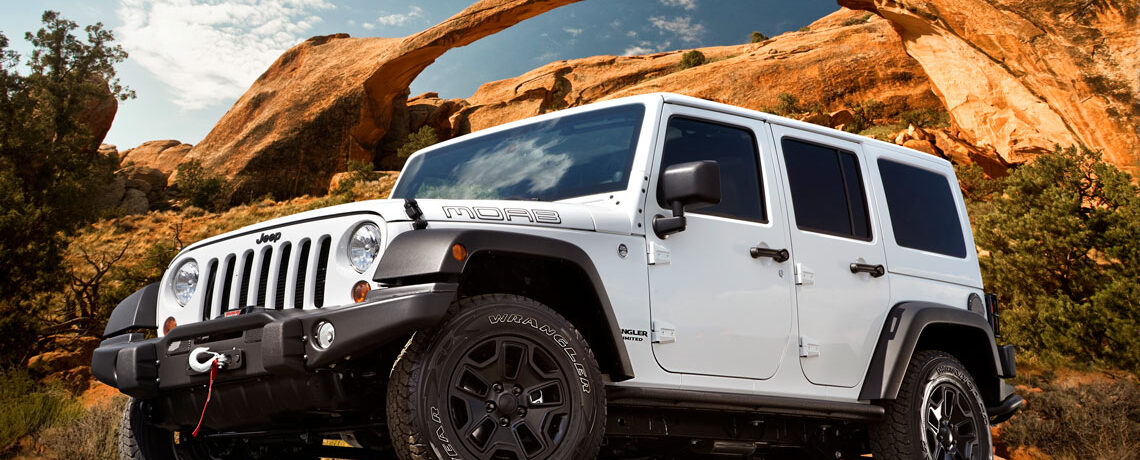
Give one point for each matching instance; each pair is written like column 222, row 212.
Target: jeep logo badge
column 268, row 238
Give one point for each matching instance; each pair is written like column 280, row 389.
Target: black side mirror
column 690, row 186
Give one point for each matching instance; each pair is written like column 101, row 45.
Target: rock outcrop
column 164, row 155
column 842, row 60
column 1023, row 75
column 330, row 99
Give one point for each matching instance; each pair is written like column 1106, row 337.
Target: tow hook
column 202, row 359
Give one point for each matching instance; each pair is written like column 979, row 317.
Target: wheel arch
column 425, row 256
column 913, row 326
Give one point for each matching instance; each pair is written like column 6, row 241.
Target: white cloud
column 396, row 20
column 209, row 52
column 686, row 4
column 682, row 26
column 368, row 25
column 572, row 32
column 646, row 47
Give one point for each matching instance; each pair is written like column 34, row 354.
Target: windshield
column 570, row 156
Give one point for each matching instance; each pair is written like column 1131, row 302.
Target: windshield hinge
column 412, row 209
column 657, row 254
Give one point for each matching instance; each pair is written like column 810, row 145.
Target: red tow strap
column 209, row 391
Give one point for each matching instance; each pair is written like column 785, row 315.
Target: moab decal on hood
column 542, row 216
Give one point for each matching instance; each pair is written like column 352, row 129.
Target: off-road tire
column 904, row 433
column 140, row 441
column 435, row 388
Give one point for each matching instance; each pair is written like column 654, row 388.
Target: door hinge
column 658, row 254
column 663, row 332
column 808, row 348
column 804, row 276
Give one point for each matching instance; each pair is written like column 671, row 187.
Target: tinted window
column 734, row 149
column 923, row 213
column 565, row 157
column 827, row 190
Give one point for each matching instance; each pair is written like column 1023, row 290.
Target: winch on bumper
column 270, row 352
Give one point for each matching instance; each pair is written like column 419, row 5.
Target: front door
column 717, row 310
column 838, row 255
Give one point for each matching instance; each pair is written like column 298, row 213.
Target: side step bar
column 705, row 400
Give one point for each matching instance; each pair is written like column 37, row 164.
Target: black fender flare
column 137, row 311
column 421, row 254
column 901, row 332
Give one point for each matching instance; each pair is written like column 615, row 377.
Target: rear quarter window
column 923, row 213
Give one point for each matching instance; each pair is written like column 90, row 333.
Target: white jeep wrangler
column 655, row 276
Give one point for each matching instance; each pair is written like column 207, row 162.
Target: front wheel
column 503, row 377
column 938, row 414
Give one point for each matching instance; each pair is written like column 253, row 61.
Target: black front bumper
column 273, row 345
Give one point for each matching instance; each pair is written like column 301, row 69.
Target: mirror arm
column 665, row 226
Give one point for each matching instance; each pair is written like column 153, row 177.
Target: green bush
column 424, row 137
column 25, row 407
column 757, row 37
column 201, row 188
column 788, row 104
column 856, row 21
column 1060, row 245
column 1098, row 420
column 692, row 59
column 359, row 171
column 91, row 433
column 925, row 118
column 865, row 115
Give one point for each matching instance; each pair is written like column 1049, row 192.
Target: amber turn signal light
column 169, row 324
column 360, row 291
column 458, row 252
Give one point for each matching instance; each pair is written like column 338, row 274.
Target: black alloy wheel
column 502, row 377
column 508, row 396
column 951, row 423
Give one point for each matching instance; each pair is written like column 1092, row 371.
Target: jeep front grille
column 270, row 276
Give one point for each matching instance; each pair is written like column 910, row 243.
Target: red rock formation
column 331, row 98
column 1023, row 75
column 840, row 61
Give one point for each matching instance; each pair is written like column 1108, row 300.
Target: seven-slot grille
column 290, row 274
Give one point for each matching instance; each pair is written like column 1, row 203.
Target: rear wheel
column 938, row 414
column 503, row 377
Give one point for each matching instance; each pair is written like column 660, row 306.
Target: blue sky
column 191, row 59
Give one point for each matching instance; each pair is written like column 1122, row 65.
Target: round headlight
column 364, row 246
column 185, row 281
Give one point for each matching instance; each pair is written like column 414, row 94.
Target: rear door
column 833, row 233
column 716, row 309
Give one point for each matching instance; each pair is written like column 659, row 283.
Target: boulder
column 163, row 155
column 134, row 202
column 112, row 193
column 841, row 117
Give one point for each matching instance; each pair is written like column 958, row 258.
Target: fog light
column 169, row 324
column 458, row 252
column 324, row 335
column 360, row 291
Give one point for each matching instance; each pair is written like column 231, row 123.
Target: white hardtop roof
column 895, row 150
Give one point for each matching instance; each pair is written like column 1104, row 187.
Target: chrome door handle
column 874, row 270
column 778, row 255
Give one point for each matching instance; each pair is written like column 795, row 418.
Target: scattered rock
column 841, row 117
column 108, row 150
column 134, row 202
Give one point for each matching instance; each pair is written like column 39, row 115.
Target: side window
column 734, row 149
column 923, row 213
column 827, row 190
